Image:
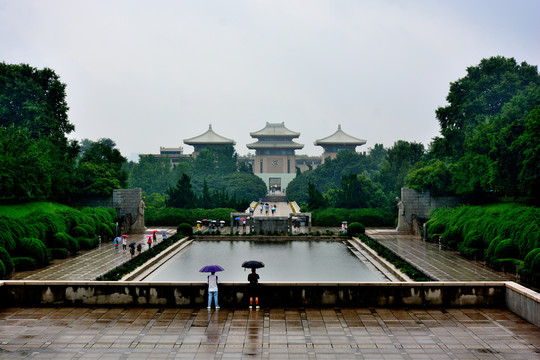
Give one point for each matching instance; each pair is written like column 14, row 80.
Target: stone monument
column 138, row 225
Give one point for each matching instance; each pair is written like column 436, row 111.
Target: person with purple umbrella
column 212, row 282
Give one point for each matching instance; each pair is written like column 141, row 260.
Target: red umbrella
column 153, row 231
column 124, row 236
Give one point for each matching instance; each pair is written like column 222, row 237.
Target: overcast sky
column 153, row 73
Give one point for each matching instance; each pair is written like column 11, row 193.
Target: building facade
column 275, row 158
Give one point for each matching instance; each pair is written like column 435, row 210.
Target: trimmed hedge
column 355, row 228
column 2, row 270
column 369, row 217
column 52, row 224
column 185, row 229
column 7, row 261
column 59, row 253
column 24, row 263
column 174, row 216
column 33, row 248
column 502, row 234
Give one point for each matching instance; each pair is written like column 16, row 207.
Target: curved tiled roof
column 275, row 130
column 261, row 145
column 339, row 138
column 209, row 137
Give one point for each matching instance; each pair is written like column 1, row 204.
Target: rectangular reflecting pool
column 289, row 261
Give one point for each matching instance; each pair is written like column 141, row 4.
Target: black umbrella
column 132, row 244
column 253, row 264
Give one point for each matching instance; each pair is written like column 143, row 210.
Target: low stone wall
column 523, row 302
column 233, row 295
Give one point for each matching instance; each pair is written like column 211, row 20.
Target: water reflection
column 285, row 261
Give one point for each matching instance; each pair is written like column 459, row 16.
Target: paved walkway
column 91, row 263
column 172, row 333
column 439, row 264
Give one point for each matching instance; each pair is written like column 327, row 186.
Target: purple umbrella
column 211, row 268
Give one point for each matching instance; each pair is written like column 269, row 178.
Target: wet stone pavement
column 439, row 264
column 172, row 333
column 90, row 264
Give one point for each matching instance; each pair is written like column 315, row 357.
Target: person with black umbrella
column 253, row 279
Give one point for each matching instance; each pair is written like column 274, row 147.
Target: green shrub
column 105, row 231
column 60, row 240
column 489, row 253
column 90, row 230
column 434, row 228
column 355, row 228
column 185, row 229
column 452, row 237
column 59, row 253
column 2, row 270
column 79, row 231
column 527, row 268
column 48, row 223
column 87, row 243
column 33, row 248
column 535, row 264
column 6, row 260
column 24, row 263
column 73, row 246
column 506, row 249
column 173, row 216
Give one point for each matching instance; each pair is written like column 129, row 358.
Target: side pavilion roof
column 209, row 137
column 275, row 130
column 339, row 138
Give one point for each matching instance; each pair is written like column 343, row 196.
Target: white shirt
column 212, row 283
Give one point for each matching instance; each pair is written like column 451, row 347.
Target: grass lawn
column 19, row 211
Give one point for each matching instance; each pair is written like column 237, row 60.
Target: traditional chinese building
column 208, row 139
column 275, row 159
column 337, row 142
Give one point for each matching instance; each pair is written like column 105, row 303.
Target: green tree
column 155, row 174
column 400, row 159
column 181, row 196
column 34, row 125
column 99, row 170
column 315, row 198
column 477, row 96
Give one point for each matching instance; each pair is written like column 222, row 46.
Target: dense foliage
column 175, row 216
column 211, row 179
column 503, row 235
column 370, row 217
column 34, row 235
column 489, row 135
column 36, row 159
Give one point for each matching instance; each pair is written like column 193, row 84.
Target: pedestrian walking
column 124, row 244
column 139, row 249
column 149, row 242
column 117, row 242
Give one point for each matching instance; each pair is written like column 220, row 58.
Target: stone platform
column 311, row 333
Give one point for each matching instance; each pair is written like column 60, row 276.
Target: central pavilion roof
column 340, row 138
column 275, row 130
column 209, row 138
column 274, row 136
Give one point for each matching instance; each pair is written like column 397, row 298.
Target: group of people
column 213, row 282
column 267, row 208
column 122, row 239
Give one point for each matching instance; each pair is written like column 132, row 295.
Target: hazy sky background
column 153, row 73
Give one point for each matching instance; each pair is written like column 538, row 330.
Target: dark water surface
column 284, row 260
